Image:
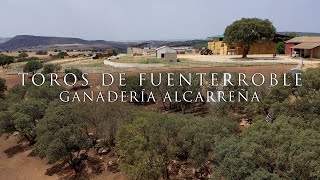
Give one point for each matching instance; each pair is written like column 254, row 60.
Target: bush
column 51, row 68
column 27, row 59
column 61, row 55
column 23, row 55
column 41, row 52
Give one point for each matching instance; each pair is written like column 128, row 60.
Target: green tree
column 23, row 55
column 41, row 52
column 132, row 84
column 77, row 72
column 32, row 66
column 61, row 55
column 61, row 136
column 51, row 68
column 5, row 60
column 45, row 91
column 291, row 34
column 281, row 47
column 248, row 31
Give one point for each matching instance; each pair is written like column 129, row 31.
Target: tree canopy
column 51, row 68
column 248, row 31
column 32, row 66
column 5, row 60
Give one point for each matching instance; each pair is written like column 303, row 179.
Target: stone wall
column 170, row 57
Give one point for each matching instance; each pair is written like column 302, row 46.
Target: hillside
column 27, row 42
column 4, row 39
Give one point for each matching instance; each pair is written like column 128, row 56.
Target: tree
column 78, row 75
column 32, row 66
column 291, row 34
column 41, row 52
column 51, row 68
column 61, row 136
column 132, row 84
column 61, row 55
column 281, row 47
column 104, row 119
column 23, row 55
column 45, row 91
column 248, row 31
column 5, row 60
column 3, row 87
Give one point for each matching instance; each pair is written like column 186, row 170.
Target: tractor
column 206, row 51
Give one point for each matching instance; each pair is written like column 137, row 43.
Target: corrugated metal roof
column 163, row 47
column 305, row 39
column 306, row 46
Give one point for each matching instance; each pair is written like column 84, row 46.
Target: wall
column 218, row 47
column 316, row 52
column 288, row 48
column 261, row 47
column 132, row 50
column 131, row 65
column 170, row 57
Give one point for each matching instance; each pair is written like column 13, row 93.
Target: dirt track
column 18, row 166
column 251, row 59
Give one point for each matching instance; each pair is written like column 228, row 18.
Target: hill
column 4, row 39
column 28, row 42
column 34, row 43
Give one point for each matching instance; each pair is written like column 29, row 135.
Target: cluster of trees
column 285, row 148
column 133, row 84
column 61, row 55
column 149, row 144
column 58, row 131
column 24, row 57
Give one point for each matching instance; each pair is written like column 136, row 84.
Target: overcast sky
column 149, row 19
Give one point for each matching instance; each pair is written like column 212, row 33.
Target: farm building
column 166, row 53
column 137, row 51
column 218, row 47
column 304, row 46
column 184, row 50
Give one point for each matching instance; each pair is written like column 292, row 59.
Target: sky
column 129, row 20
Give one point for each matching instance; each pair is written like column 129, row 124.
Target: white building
column 162, row 51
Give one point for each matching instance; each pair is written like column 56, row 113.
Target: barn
column 304, row 46
column 166, row 53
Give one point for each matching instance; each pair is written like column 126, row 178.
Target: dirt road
column 251, row 59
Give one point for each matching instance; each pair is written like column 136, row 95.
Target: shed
column 162, row 51
column 305, row 46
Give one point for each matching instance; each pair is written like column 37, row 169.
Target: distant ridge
column 300, row 33
column 4, row 39
column 29, row 42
